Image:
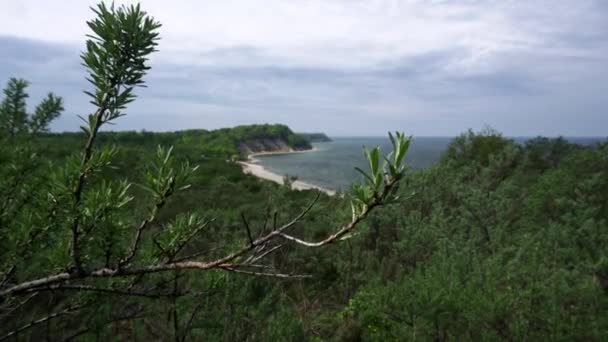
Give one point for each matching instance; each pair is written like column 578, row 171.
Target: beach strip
column 257, row 170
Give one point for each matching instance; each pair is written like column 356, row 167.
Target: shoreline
column 251, row 156
column 252, row 167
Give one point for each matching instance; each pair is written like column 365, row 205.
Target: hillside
column 315, row 137
column 496, row 241
column 221, row 143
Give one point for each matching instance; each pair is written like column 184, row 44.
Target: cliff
column 235, row 142
column 258, row 145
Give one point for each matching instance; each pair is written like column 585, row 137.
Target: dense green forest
column 107, row 236
column 315, row 137
column 496, row 241
column 220, row 143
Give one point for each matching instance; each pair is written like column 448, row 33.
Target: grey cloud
column 555, row 87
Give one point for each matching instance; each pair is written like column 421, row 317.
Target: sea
column 331, row 165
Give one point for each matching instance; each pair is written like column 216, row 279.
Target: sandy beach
column 252, row 167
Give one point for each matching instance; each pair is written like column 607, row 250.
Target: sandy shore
column 252, row 167
column 251, row 157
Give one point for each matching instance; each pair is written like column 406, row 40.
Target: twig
column 105, row 290
column 247, row 228
column 84, row 170
column 40, row 320
column 142, row 226
column 190, row 237
column 191, row 320
column 377, row 201
column 267, row 274
column 16, row 307
column 154, row 268
column 205, row 265
column 266, row 253
column 136, row 315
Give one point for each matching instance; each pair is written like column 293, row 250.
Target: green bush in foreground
column 75, row 235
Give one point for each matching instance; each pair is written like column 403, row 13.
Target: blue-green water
column 332, row 164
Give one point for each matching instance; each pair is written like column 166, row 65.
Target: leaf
column 373, row 160
column 371, row 181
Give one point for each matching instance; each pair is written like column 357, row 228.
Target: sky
column 344, row 67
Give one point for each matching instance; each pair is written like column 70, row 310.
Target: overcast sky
column 345, row 67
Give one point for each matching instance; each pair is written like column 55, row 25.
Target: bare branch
column 191, row 320
column 190, row 237
column 40, row 320
column 256, row 258
column 194, row 255
column 160, row 247
column 298, row 218
column 257, row 246
column 247, row 266
column 7, row 276
column 247, row 228
column 268, row 274
column 106, row 290
column 16, row 307
column 136, row 315
column 154, row 268
column 377, row 201
column 142, row 226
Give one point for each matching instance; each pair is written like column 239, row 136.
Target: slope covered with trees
column 315, row 137
column 237, row 141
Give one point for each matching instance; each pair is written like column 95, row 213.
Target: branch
column 194, row 255
column 154, row 268
column 78, row 189
column 267, row 274
column 295, row 220
column 222, row 263
column 39, row 321
column 191, row 320
column 136, row 315
column 247, row 228
column 142, row 226
column 10, row 311
column 340, row 234
column 106, row 290
column 25, row 249
column 189, row 238
column 256, row 258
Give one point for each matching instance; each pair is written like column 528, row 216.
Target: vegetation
column 213, row 144
column 73, row 239
column 497, row 241
column 315, row 137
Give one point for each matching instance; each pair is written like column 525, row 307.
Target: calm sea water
column 332, row 164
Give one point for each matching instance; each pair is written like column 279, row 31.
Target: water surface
column 332, row 164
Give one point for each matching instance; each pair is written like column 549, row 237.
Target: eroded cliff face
column 265, row 145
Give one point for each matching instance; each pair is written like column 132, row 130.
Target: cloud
column 345, row 67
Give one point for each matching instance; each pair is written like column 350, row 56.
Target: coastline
column 252, row 167
column 251, row 156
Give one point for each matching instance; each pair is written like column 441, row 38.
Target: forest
column 149, row 235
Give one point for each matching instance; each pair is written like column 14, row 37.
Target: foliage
column 497, row 241
column 315, row 137
column 98, row 238
column 14, row 119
